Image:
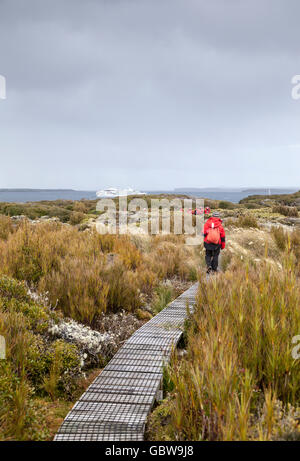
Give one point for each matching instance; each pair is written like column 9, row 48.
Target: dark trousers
column 212, row 255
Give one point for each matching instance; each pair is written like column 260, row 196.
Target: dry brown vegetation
column 86, row 276
column 286, row 211
column 239, row 380
column 86, row 273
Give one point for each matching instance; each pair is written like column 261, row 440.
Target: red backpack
column 213, row 235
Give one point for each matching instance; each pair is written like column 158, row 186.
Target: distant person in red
column 214, row 241
column 197, row 211
column 207, row 210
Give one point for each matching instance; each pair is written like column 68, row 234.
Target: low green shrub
column 163, row 296
column 226, row 205
column 30, row 360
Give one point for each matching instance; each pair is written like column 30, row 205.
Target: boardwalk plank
column 116, row 405
column 126, row 399
column 117, row 437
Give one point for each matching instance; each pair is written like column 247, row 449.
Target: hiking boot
column 209, row 269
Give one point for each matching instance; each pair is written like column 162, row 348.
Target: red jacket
column 217, row 223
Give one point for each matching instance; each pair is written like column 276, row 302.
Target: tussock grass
column 243, row 221
column 85, row 273
column 289, row 241
column 289, row 211
column 163, row 296
column 239, row 380
column 280, row 237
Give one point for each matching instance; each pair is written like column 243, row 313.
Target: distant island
column 250, row 190
column 39, row 190
column 233, row 194
column 22, row 195
column 272, row 190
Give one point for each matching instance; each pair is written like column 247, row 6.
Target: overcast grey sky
column 149, row 93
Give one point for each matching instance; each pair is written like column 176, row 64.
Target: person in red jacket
column 214, row 241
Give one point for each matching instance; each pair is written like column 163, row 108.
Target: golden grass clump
column 289, row 211
column 6, row 227
column 243, row 221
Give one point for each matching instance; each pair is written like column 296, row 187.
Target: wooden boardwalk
column 116, row 405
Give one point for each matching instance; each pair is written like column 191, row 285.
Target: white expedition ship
column 112, row 192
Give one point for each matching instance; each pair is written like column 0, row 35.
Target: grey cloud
column 146, row 92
